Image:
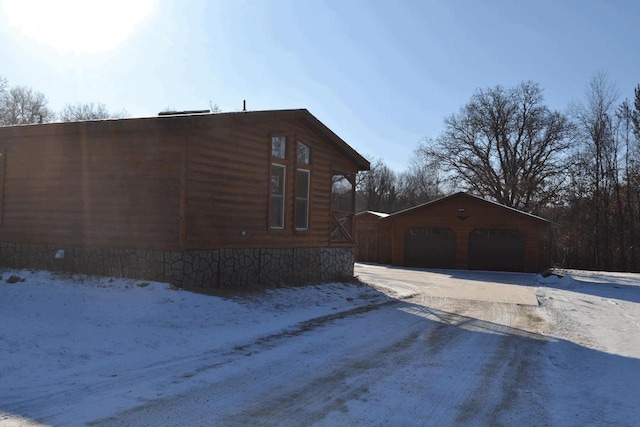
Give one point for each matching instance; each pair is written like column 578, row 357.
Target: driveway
column 449, row 348
column 498, row 287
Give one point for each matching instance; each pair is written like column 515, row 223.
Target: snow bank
column 554, row 280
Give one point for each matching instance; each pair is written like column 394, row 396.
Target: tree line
column 579, row 168
column 21, row 105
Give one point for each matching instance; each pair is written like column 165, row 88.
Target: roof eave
column 441, row 199
column 362, row 163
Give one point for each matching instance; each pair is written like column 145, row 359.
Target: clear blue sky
column 382, row 74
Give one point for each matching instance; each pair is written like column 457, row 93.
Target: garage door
column 500, row 250
column 430, row 247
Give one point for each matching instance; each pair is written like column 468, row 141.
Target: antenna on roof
column 244, row 105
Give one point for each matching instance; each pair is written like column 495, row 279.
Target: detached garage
column 366, row 226
column 462, row 231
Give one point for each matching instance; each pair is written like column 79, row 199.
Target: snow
column 60, row 333
column 374, row 213
column 595, row 368
column 79, row 350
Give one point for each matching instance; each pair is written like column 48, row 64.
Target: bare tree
column 88, row 111
column 3, row 86
column 633, row 180
column 601, row 204
column 507, row 145
column 214, row 108
column 599, row 158
column 377, row 189
column 625, row 197
column 422, row 181
column 636, row 112
column 21, row 105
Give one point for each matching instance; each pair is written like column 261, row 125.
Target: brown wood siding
column 227, row 182
column 165, row 183
column 476, row 215
column 2, row 156
column 367, row 237
column 385, row 242
column 104, row 189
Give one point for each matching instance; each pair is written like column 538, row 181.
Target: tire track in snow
column 153, row 376
column 297, row 390
column 509, row 382
column 324, row 398
column 506, row 379
column 318, row 384
column 423, row 352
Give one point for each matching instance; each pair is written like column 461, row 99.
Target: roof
column 363, row 164
column 189, row 119
column 374, row 213
column 463, row 194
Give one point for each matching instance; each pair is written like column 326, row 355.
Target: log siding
column 167, row 184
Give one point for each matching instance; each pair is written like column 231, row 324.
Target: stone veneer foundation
column 205, row 269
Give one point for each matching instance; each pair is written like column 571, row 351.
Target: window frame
column 307, row 199
column 282, row 196
column 308, row 159
column 284, row 147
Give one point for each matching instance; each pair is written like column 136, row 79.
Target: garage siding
column 463, row 213
column 367, row 229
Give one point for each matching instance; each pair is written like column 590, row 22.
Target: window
column 278, row 147
column 342, row 193
column 342, row 206
column 302, row 199
column 304, row 154
column 276, row 213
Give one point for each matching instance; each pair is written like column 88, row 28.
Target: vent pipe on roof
column 244, row 105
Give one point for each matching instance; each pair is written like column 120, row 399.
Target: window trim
column 282, row 197
column 307, row 199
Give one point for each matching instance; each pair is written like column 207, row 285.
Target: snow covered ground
column 77, row 350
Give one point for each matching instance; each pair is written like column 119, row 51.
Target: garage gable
column 463, row 200
column 466, row 232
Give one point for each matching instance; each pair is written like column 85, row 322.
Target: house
column 198, row 200
column 460, row 231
